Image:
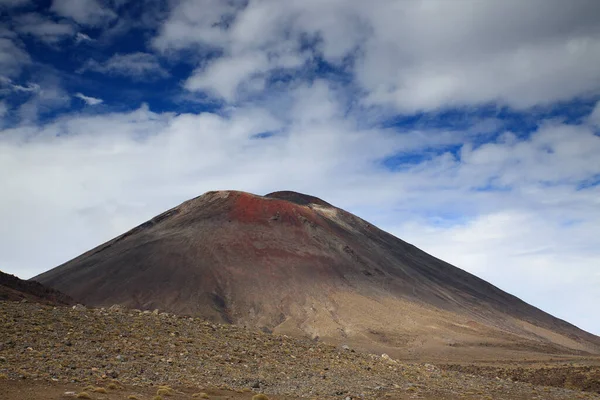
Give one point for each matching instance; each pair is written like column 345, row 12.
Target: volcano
column 294, row 264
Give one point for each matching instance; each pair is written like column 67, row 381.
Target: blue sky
column 468, row 128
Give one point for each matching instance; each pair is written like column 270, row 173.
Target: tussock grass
column 83, row 395
column 164, row 392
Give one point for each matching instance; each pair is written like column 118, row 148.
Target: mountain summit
column 295, row 264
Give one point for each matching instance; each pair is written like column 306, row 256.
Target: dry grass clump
column 201, row 395
column 3, row 376
column 164, row 392
column 132, row 397
column 100, row 390
column 157, row 398
column 260, row 397
column 89, row 388
column 83, row 395
column 113, row 386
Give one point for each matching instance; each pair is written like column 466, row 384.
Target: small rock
column 112, row 374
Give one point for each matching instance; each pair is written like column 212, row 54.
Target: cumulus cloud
column 90, row 101
column 195, row 24
column 223, row 76
column 410, row 55
column 139, row 66
column 84, row 12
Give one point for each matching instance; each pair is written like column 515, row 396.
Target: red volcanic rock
column 296, row 264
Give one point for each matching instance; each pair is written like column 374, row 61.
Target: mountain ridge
column 13, row 288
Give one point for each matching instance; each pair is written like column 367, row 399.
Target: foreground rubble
column 79, row 346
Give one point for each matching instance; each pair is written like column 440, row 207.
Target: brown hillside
column 295, row 264
column 15, row 289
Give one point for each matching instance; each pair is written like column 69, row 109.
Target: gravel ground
column 79, row 346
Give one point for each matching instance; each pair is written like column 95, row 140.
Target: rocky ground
column 63, row 351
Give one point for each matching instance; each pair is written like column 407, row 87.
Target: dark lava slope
column 15, row 289
column 296, row 264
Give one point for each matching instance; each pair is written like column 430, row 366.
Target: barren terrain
column 47, row 351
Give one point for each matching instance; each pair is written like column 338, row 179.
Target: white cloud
column 141, row 66
column 410, row 55
column 3, row 109
column 82, row 37
column 45, row 96
column 90, row 101
column 85, row 12
column 12, row 57
column 43, row 28
column 193, row 24
column 11, row 86
column 223, row 76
